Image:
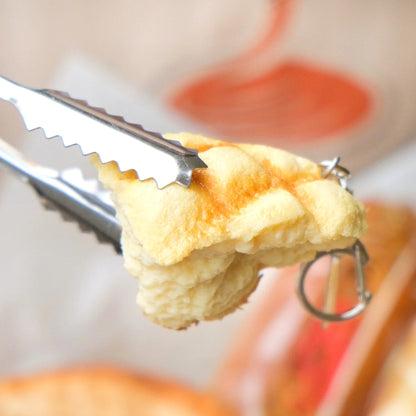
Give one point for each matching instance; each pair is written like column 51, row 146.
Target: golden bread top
column 246, row 190
column 196, row 252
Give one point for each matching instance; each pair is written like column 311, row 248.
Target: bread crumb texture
column 196, row 251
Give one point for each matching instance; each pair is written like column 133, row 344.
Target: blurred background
column 319, row 78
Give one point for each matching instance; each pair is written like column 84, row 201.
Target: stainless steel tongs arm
column 66, row 192
column 96, row 131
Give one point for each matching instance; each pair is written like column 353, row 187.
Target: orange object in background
column 285, row 363
column 280, row 101
column 324, row 80
column 292, row 103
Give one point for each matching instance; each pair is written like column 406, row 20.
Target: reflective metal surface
column 95, row 131
column 69, row 193
column 364, row 297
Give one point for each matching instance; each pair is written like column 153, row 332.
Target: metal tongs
column 94, row 131
column 131, row 147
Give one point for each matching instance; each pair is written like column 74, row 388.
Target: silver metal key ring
column 361, row 258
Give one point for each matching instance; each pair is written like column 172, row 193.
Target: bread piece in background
column 103, row 392
column 284, row 362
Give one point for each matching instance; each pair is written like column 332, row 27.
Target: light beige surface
column 145, row 42
column 141, row 44
column 197, row 252
column 157, row 45
column 69, row 300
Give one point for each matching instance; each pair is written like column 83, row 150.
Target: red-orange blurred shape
column 290, row 100
column 316, row 356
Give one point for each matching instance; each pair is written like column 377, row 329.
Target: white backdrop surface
column 67, row 300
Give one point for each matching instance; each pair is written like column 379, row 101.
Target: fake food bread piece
column 196, row 251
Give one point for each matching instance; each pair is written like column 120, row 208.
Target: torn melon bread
column 196, row 252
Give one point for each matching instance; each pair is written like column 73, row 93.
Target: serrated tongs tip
column 111, row 137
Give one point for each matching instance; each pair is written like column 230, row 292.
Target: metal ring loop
column 359, row 253
column 332, row 169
